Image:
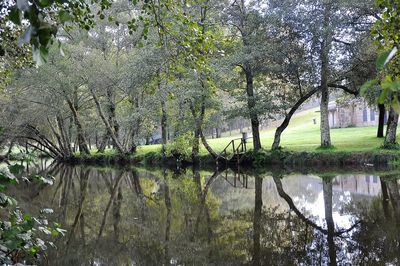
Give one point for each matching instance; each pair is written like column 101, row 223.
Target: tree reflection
column 257, row 221
column 378, row 238
column 327, row 190
column 158, row 217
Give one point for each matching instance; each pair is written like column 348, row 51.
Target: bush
column 19, row 232
column 180, row 147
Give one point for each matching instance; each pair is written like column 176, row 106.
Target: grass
column 303, row 135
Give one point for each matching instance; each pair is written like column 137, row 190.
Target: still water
column 138, row 216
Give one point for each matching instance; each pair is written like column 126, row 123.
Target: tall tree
column 246, row 23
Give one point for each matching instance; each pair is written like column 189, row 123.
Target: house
column 352, row 113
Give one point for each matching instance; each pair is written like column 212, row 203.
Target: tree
column 245, row 22
column 325, row 26
column 386, row 32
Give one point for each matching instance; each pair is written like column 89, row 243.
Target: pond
column 139, row 216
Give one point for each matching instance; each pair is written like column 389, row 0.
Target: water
column 138, row 216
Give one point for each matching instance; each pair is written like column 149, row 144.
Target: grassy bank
column 302, row 135
column 300, row 145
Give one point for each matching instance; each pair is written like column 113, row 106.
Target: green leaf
column 395, row 86
column 44, row 53
column 64, row 16
column 45, row 3
column 368, row 85
column 384, row 58
column 396, row 104
column 391, row 54
column 382, row 96
column 15, row 15
column 36, row 56
column 380, row 61
column 16, row 168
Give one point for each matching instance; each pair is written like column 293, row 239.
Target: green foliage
column 20, row 233
column 44, row 18
column 386, row 32
column 390, row 146
column 180, row 147
column 326, row 148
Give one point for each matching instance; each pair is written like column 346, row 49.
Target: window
column 375, row 179
column 372, row 115
column 365, row 115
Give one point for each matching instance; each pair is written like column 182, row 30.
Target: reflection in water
column 257, row 221
column 159, row 217
column 327, row 190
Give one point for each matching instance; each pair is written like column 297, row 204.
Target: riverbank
column 317, row 158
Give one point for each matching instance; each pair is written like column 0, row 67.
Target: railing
column 239, row 180
column 236, row 148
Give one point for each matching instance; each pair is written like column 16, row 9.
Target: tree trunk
column 207, row 146
column 391, row 129
column 327, row 191
column 385, row 198
column 103, row 143
column 393, row 188
column 198, row 123
column 62, row 148
column 381, row 120
column 110, row 130
column 324, row 57
column 111, row 112
column 257, row 225
column 288, row 116
column 82, row 143
column 251, row 104
column 64, row 136
column 168, row 206
column 196, row 144
column 163, row 126
column 9, row 148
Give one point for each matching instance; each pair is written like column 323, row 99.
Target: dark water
column 159, row 217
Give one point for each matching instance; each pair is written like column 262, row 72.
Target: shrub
column 180, row 147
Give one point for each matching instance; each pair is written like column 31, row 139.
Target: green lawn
column 303, row 135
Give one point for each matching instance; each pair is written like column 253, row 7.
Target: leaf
column 382, row 96
column 64, row 16
column 44, row 3
column 36, row 56
column 16, row 168
column 61, row 49
column 44, row 53
column 368, row 85
column 391, row 54
column 7, row 177
column 396, row 105
column 61, row 231
column 384, row 58
column 15, row 15
column 6, row 200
